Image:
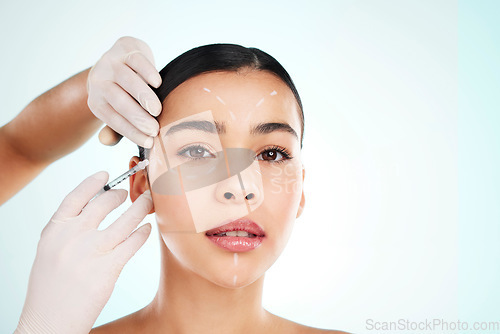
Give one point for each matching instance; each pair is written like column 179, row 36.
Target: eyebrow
column 265, row 128
column 204, row 126
column 220, row 128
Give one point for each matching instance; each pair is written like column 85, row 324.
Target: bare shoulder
column 302, row 329
column 312, row 330
column 114, row 327
column 125, row 325
column 282, row 325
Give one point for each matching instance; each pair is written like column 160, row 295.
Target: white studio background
column 379, row 238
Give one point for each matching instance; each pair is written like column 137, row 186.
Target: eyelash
column 281, row 150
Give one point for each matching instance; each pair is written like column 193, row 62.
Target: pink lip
column 234, row 243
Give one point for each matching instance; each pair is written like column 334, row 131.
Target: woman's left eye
column 275, row 154
column 195, row 152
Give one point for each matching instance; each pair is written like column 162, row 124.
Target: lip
column 237, row 243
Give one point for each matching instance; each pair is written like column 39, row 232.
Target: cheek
column 172, row 213
column 283, row 187
column 282, row 193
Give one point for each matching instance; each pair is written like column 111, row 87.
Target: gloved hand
column 76, row 265
column 119, row 94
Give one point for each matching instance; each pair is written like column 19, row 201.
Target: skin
column 61, row 112
column 197, row 292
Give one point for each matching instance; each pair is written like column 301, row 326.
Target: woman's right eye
column 195, row 152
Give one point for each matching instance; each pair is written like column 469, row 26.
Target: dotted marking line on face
column 248, row 116
column 220, row 100
column 260, row 102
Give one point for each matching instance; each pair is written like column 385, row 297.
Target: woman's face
column 228, row 151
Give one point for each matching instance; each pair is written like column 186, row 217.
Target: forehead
column 251, row 96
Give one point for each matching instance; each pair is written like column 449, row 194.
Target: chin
column 198, row 255
column 249, row 268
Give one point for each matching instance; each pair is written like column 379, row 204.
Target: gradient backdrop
column 401, row 148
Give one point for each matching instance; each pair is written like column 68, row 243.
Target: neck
column 188, row 303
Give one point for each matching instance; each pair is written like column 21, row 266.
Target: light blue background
column 401, row 148
column 479, row 161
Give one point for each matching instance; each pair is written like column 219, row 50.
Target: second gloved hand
column 77, row 265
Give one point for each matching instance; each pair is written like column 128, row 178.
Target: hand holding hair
column 77, row 265
column 119, row 95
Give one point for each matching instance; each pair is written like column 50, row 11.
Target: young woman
column 224, row 214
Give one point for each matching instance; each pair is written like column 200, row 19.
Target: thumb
column 109, row 137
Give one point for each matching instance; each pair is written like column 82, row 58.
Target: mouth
column 241, row 235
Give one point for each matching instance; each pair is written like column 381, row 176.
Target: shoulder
column 282, row 325
column 302, row 329
column 125, row 325
column 110, row 328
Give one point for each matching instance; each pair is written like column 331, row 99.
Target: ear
column 303, row 199
column 138, row 182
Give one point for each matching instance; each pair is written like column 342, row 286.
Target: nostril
column 249, row 196
column 228, row 195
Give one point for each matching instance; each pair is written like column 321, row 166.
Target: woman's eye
column 271, row 155
column 195, row 152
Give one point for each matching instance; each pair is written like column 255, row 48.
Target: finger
column 125, row 250
column 126, row 106
column 95, row 212
column 138, row 62
column 138, row 89
column 109, row 137
column 76, row 200
column 119, row 124
column 123, row 226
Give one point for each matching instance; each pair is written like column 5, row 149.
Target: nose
column 237, row 190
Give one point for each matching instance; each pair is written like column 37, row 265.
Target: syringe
column 140, row 166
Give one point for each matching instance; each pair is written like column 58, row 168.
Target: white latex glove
column 76, row 265
column 119, row 94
